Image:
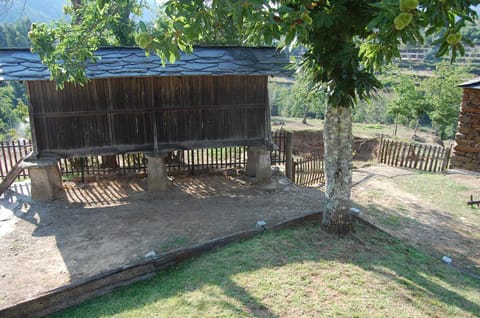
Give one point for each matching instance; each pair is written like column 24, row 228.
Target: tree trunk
column 304, row 120
column 337, row 138
column 416, row 127
column 396, row 125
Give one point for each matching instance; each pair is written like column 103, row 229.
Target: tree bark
column 337, row 138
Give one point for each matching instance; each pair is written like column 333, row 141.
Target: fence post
column 379, row 151
column 289, row 168
column 446, row 158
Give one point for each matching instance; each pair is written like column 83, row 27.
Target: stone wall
column 466, row 152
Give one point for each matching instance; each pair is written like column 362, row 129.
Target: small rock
column 150, row 254
column 355, row 211
column 261, row 224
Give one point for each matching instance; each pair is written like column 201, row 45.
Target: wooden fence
column 415, row 156
column 11, row 153
column 309, row 171
column 135, row 163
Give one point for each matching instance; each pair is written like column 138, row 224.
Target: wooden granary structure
column 217, row 96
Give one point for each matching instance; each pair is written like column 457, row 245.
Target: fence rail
column 415, row 156
column 309, row 171
column 135, row 163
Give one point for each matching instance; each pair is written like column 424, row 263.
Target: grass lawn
column 299, row 272
column 445, row 192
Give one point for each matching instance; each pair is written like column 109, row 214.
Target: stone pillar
column 259, row 165
column 157, row 180
column 251, row 170
column 46, row 179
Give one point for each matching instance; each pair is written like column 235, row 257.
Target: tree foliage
column 13, row 109
column 15, row 34
column 90, row 26
column 443, row 93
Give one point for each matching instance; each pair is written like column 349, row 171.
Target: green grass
column 299, row 272
column 442, row 191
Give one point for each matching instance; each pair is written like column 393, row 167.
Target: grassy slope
column 299, row 272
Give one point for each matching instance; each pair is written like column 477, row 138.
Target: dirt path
column 107, row 224
column 416, row 219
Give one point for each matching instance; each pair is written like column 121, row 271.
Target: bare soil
column 102, row 225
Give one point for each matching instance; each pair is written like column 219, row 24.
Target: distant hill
column 42, row 10
column 36, row 10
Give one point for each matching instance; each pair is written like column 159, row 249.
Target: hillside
column 44, row 10
column 37, row 11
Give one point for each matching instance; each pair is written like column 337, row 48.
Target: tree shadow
column 434, row 232
column 378, row 254
column 97, row 227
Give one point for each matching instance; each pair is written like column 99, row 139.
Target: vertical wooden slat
column 412, row 153
column 392, row 153
column 432, row 159
column 439, row 152
column 446, row 158
column 379, row 152
column 4, row 161
column 422, row 160
column 9, row 152
column 425, row 167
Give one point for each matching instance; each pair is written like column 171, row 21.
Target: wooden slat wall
column 123, row 114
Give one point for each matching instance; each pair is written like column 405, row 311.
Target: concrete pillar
column 259, row 165
column 46, row 179
column 157, row 180
column 251, row 169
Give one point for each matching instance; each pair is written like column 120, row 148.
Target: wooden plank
column 413, row 155
column 393, row 152
column 446, row 158
column 403, row 154
column 289, row 156
column 437, row 157
column 380, row 149
column 432, row 159
column 13, row 174
column 425, row 167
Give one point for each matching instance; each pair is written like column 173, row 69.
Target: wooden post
column 380, row 150
column 294, row 167
column 289, row 169
column 446, row 158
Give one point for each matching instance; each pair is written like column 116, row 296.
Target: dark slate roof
column 21, row 64
column 473, row 83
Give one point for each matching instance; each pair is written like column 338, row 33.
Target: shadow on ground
column 299, row 272
column 100, row 226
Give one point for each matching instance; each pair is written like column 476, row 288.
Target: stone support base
column 157, row 180
column 46, row 180
column 259, row 165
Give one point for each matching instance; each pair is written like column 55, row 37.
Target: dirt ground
column 106, row 224
column 103, row 225
column 416, row 219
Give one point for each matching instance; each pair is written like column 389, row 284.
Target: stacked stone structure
column 466, row 152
